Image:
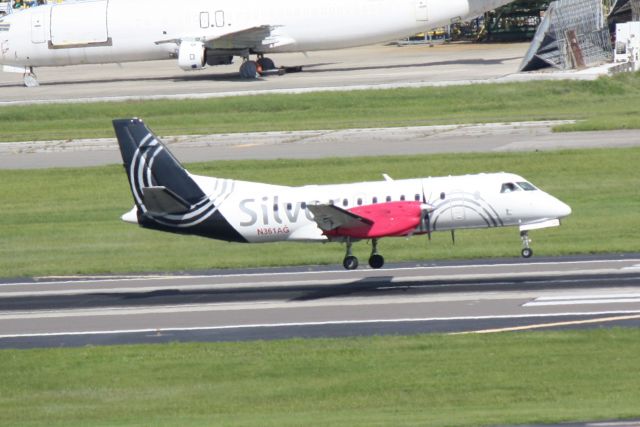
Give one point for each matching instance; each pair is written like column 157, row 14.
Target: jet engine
column 191, row 55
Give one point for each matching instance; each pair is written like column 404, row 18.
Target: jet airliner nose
column 565, row 210
column 560, row 209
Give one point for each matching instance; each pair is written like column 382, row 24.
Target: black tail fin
column 159, row 183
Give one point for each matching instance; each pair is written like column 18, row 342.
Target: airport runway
column 451, row 297
column 381, row 66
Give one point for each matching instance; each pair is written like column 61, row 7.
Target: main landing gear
column 253, row 69
column 376, row 260
column 526, row 241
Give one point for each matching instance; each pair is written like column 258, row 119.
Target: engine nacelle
column 191, row 55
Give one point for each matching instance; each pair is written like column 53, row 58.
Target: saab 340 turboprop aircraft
column 204, row 32
column 169, row 198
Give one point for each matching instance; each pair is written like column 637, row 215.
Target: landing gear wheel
column 249, row 70
column 527, row 252
column 29, row 78
column 350, row 262
column 266, row 64
column 376, row 261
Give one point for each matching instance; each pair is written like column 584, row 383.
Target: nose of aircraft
column 560, row 209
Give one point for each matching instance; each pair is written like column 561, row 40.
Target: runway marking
column 6, row 290
column 549, row 325
column 583, row 299
column 363, row 274
column 636, row 314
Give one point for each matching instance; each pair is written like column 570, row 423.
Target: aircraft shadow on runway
column 366, row 287
column 418, row 65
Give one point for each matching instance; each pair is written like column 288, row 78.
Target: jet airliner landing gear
column 29, row 78
column 249, row 69
column 252, row 69
column 526, row 251
column 375, row 260
column 350, row 262
column 265, row 64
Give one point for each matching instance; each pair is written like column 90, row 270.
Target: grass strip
column 505, row 379
column 606, row 103
column 67, row 221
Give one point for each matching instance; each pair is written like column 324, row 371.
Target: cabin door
column 78, row 24
column 421, row 10
column 37, row 27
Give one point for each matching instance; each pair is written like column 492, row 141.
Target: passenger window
column 508, row 187
column 275, row 207
column 374, row 200
column 526, row 186
column 417, row 197
column 303, row 205
column 288, row 206
column 345, row 203
column 402, row 198
column 388, row 198
column 359, row 202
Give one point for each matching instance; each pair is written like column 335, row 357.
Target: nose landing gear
column 29, row 78
column 526, row 241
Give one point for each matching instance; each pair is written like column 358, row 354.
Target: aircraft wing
column 252, row 37
column 330, row 217
column 369, row 221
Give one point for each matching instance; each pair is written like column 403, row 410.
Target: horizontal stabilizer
column 162, row 201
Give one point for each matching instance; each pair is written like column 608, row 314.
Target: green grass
column 419, row 380
column 607, row 103
column 67, row 221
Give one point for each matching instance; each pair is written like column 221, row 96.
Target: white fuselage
column 104, row 31
column 268, row 213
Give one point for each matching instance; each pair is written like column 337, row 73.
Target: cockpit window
column 509, row 187
column 527, row 186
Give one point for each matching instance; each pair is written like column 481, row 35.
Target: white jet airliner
column 169, row 198
column 205, row 32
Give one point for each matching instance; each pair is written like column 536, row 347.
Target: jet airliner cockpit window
column 509, row 187
column 527, row 186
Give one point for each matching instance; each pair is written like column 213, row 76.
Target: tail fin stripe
column 143, row 161
column 138, row 164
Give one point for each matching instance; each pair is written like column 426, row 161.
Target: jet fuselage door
column 79, row 24
column 38, row 27
column 421, row 10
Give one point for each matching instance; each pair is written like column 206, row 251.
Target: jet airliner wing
column 253, row 37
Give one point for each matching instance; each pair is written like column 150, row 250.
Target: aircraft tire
column 249, row 70
column 527, row 252
column 350, row 262
column 376, row 261
column 266, row 64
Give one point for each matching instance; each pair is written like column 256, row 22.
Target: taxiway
column 378, row 66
